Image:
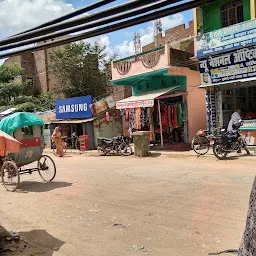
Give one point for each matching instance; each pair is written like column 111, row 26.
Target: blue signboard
column 228, row 67
column 74, row 108
column 226, row 39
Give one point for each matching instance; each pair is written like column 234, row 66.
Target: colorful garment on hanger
column 175, row 120
column 132, row 120
column 169, row 116
column 138, row 118
column 184, row 110
column 179, row 115
column 164, row 119
column 145, row 116
column 127, row 111
column 150, row 115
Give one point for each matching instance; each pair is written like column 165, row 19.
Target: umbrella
column 8, row 144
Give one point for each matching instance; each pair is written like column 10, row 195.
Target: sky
column 19, row 15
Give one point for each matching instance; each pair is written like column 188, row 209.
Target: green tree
column 13, row 92
column 10, row 86
column 79, row 69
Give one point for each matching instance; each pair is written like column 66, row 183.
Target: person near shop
column 236, row 116
column 57, row 138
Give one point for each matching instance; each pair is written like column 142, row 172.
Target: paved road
column 170, row 205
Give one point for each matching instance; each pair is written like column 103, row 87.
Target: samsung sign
column 74, row 108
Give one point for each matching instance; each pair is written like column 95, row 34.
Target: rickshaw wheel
column 46, row 168
column 10, row 176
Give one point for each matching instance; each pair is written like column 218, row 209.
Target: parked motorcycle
column 117, row 145
column 229, row 142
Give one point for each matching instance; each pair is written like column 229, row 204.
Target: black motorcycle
column 117, row 145
column 229, row 142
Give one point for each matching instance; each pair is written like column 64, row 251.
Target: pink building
column 166, row 99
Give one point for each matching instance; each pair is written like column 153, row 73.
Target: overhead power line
column 79, row 21
column 148, row 8
column 70, row 15
column 115, row 27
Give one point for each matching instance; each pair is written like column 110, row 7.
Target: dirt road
column 124, row 206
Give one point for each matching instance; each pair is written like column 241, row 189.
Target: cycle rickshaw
column 27, row 129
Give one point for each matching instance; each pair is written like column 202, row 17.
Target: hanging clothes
column 132, row 120
column 179, row 115
column 164, row 118
column 127, row 112
column 138, row 118
column 175, row 120
column 145, row 116
column 151, row 125
column 169, row 116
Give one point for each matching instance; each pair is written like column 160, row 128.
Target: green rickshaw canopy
column 17, row 120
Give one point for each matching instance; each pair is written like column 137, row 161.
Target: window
column 232, row 13
column 30, row 81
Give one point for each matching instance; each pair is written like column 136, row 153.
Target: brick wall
column 40, row 70
column 179, row 38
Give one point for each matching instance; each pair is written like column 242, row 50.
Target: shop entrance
column 242, row 97
column 165, row 118
column 173, row 116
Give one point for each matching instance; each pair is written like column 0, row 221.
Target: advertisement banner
column 135, row 104
column 232, row 66
column 74, row 108
column 249, row 136
column 226, row 39
column 102, row 105
column 47, row 138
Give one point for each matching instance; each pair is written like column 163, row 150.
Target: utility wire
column 114, row 27
column 148, row 8
column 105, row 21
column 70, row 15
column 79, row 21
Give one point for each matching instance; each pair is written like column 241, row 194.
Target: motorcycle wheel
column 125, row 149
column 101, row 152
column 219, row 152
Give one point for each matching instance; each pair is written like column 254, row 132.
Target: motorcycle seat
column 103, row 138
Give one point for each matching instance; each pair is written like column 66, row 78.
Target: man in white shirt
column 236, row 116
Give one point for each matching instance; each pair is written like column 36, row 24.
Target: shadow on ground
column 33, row 186
column 35, row 242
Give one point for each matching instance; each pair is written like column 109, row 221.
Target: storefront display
column 166, row 120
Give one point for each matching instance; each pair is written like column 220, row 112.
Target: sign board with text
column 74, row 108
column 228, row 67
column 226, row 39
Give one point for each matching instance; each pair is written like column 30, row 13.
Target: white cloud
column 147, row 35
column 19, row 15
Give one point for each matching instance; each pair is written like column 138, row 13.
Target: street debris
column 138, row 247
column 226, row 251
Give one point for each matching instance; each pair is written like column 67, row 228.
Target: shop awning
column 131, row 80
column 143, row 100
column 72, row 121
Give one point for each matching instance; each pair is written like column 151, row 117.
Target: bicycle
column 203, row 141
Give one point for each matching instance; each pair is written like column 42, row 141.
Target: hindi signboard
column 226, row 39
column 228, row 67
